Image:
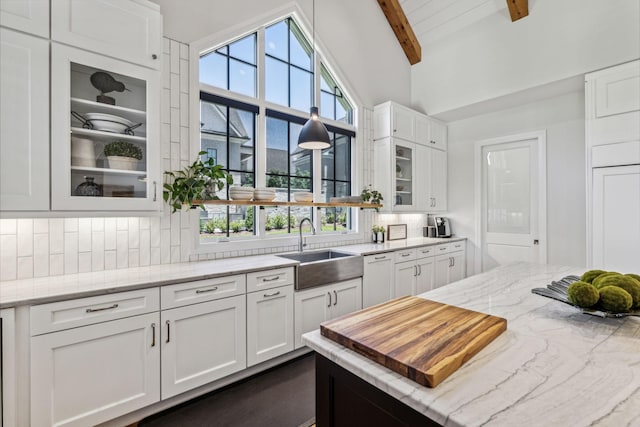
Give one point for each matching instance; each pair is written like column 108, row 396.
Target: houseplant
column 373, row 196
column 198, row 181
column 122, row 155
column 378, row 233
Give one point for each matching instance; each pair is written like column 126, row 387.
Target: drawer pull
column 93, row 310
column 404, row 255
column 271, row 279
column 153, row 333
column 202, row 291
column 443, row 249
column 380, row 257
column 273, row 294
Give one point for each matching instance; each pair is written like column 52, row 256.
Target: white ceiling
column 433, row 19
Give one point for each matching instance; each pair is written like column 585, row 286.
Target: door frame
column 541, row 137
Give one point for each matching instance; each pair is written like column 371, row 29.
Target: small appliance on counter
column 443, row 229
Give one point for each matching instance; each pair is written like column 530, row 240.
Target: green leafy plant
column 199, row 181
column 277, row 221
column 209, row 227
column 248, row 221
column 236, row 226
column 378, row 228
column 123, row 149
column 373, row 196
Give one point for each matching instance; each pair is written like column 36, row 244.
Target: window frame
column 261, row 243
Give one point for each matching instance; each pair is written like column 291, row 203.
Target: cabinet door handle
column 203, row 291
column 419, row 270
column 271, row 279
column 153, row 335
column 450, row 262
column 155, row 192
column 273, row 294
column 336, row 295
column 168, row 331
column 453, row 262
column 329, row 293
column 93, row 310
column 415, row 270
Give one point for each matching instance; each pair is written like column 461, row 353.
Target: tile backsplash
column 55, row 246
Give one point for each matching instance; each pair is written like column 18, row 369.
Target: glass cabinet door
column 404, row 176
column 104, row 133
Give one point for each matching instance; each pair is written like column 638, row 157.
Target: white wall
column 563, row 119
column 493, row 57
column 354, row 33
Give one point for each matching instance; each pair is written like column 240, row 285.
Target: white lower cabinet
column 425, row 276
column 377, row 279
column 8, row 379
column 450, row 267
column 316, row 305
column 269, row 323
column 404, row 279
column 202, row 343
column 415, row 275
column 91, row 374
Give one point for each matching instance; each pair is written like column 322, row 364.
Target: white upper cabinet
column 30, row 16
column 390, row 119
column 24, row 118
column 85, row 176
column 123, row 29
column 618, row 91
column 430, row 132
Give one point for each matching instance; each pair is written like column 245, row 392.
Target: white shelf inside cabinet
column 406, row 159
column 107, row 171
column 403, row 179
column 404, row 192
column 99, row 135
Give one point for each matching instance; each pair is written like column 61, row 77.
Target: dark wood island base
column 345, row 400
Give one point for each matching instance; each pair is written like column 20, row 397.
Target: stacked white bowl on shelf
column 240, row 193
column 264, row 194
column 303, row 196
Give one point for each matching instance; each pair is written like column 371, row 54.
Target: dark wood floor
column 281, row 397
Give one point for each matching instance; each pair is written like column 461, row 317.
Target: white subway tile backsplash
column 184, row 109
column 70, row 225
column 56, row 264
column 134, row 233
column 110, row 260
column 175, row 124
column 56, row 235
column 184, row 52
column 166, row 77
column 166, row 47
column 165, row 106
column 185, row 152
column 8, row 256
column 144, row 223
column 25, row 237
column 40, row 225
column 175, row 229
column 155, row 256
column 84, row 235
column 175, row 254
column 175, row 56
column 8, row 226
column 134, row 257
column 70, row 253
column 84, row 262
column 122, row 224
column 97, row 224
column 110, row 228
column 165, row 246
column 175, row 91
column 165, row 141
column 40, row 254
column 184, row 76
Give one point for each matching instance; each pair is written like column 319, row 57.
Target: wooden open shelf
column 279, row 203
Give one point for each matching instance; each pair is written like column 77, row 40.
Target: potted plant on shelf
column 373, row 196
column 378, row 233
column 196, row 182
column 122, row 155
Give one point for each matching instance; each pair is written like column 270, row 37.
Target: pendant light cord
column 313, row 53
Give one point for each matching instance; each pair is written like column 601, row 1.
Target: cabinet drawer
column 443, row 248
column 202, row 290
column 270, row 279
column 62, row 315
column 405, row 255
column 456, row 246
column 370, row 259
column 427, row 251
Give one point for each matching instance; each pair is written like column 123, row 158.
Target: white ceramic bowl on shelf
column 303, row 196
column 241, row 193
column 263, row 193
column 108, row 122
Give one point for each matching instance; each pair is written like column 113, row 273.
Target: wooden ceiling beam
column 401, row 27
column 518, row 9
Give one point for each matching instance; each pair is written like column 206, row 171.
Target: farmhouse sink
column 323, row 267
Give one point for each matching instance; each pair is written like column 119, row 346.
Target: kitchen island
column 553, row 365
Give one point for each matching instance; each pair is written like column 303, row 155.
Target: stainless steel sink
column 319, row 268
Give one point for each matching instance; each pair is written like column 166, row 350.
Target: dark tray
column 558, row 291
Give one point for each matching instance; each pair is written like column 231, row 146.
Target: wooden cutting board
column 423, row 340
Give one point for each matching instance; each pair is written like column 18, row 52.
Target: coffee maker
column 443, row 228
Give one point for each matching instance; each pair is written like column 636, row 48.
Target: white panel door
column 24, row 122
column 458, row 266
column 312, row 307
column 347, row 297
column 438, row 181
column 512, row 205
column 269, row 324
column 441, row 274
column 618, row 91
column 30, row 16
column 403, row 122
column 9, row 383
column 404, row 281
column 122, row 29
column 202, row 343
column 616, row 218
column 88, row 375
column 377, row 279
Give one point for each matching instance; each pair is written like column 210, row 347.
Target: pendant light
column 314, row 135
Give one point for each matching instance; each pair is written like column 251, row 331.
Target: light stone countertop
column 553, row 366
column 57, row 288
column 395, row 245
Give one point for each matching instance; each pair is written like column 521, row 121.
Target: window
column 227, row 133
column 288, row 66
column 232, row 67
column 333, row 104
column 253, row 133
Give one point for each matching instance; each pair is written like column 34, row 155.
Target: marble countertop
column 394, row 245
column 57, row 288
column 552, row 366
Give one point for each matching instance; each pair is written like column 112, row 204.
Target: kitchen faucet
column 313, row 230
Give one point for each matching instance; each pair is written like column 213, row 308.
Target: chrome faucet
column 313, row 230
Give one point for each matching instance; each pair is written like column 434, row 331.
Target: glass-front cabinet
column 404, row 175
column 105, row 133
